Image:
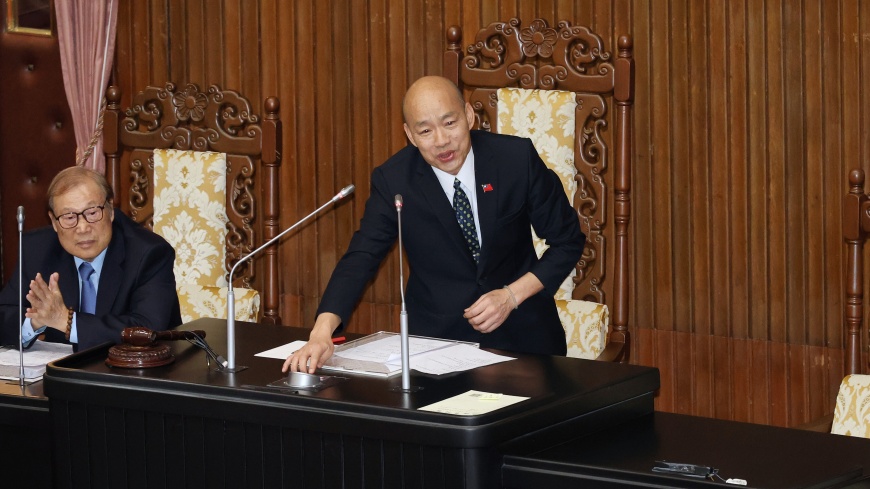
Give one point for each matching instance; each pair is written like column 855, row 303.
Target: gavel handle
column 142, row 336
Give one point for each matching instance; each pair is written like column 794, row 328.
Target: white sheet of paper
column 455, row 358
column 382, row 350
column 41, row 353
column 283, row 351
column 473, row 403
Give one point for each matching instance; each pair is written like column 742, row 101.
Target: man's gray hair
column 74, row 176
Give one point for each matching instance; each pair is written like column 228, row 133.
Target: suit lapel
column 112, row 273
column 485, row 173
column 427, row 185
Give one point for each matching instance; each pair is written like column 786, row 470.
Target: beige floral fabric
column 202, row 301
column 852, row 413
column 547, row 118
column 190, row 189
column 586, row 325
column 190, row 213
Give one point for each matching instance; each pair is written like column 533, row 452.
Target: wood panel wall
column 748, row 115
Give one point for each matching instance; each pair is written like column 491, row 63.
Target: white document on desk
column 283, row 351
column 455, row 358
column 387, row 348
column 380, row 354
column 35, row 359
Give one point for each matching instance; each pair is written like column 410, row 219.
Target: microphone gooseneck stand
column 230, row 365
column 20, row 217
column 403, row 315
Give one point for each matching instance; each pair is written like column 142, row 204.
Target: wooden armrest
column 613, row 352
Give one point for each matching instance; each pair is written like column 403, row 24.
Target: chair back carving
column 569, row 58
column 212, row 120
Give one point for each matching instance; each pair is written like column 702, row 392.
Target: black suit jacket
column 444, row 280
column 137, row 284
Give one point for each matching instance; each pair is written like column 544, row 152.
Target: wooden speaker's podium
column 187, row 425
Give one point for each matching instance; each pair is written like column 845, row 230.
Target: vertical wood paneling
column 737, row 141
column 718, row 182
column 747, row 116
column 775, row 205
column 231, row 33
column 834, row 158
column 698, row 155
column 815, row 187
column 660, row 197
column 326, row 116
column 759, row 294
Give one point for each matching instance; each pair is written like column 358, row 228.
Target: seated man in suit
column 470, row 198
column 92, row 274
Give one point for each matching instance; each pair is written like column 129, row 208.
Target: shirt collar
column 97, row 263
column 465, row 175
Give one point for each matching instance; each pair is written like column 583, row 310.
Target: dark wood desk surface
column 361, row 425
column 561, row 387
column 764, row 456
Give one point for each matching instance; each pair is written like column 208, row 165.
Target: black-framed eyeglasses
column 91, row 215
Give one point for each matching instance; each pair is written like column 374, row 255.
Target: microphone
column 20, row 216
column 403, row 315
column 230, row 364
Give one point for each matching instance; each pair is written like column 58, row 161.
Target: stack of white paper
column 35, row 359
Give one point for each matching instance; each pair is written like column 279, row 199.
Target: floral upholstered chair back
column 852, row 413
column 547, row 118
column 190, row 195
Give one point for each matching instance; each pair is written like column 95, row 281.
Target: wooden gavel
column 142, row 336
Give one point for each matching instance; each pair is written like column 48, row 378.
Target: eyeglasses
column 71, row 219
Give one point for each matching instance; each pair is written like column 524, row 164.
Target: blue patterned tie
column 89, row 294
column 466, row 220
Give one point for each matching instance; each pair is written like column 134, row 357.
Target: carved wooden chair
column 553, row 85
column 206, row 148
column 856, row 227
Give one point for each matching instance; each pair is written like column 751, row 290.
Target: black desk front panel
column 25, row 436
column 185, row 425
column 765, row 456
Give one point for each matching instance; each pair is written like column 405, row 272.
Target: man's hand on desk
column 319, row 347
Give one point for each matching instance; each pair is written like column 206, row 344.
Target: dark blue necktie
column 466, row 219
column 89, row 293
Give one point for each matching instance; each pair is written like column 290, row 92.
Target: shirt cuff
column 73, row 331
column 28, row 334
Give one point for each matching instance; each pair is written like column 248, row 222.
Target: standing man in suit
column 92, row 274
column 470, row 198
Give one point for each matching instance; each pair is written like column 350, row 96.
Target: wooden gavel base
column 131, row 356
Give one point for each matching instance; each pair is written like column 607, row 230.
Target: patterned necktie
column 466, row 220
column 89, row 294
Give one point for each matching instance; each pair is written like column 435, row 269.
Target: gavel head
column 138, row 336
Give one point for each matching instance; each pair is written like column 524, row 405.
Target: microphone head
column 398, row 202
column 345, row 191
column 20, row 214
